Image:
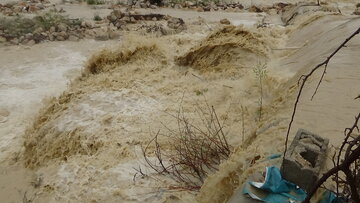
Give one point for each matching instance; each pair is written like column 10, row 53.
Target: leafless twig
column 195, row 150
column 303, row 79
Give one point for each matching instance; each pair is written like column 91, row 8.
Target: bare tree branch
column 303, row 79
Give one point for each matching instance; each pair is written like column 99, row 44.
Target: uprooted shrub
column 194, row 149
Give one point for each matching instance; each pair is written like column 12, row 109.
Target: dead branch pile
column 193, row 150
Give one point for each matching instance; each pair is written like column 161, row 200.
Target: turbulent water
column 84, row 145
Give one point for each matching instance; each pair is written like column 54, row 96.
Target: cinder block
column 304, row 159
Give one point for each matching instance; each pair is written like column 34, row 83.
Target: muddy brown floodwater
column 72, row 123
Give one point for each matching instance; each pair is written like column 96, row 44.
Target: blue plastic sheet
column 274, row 189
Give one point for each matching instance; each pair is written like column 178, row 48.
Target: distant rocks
column 13, row 8
column 121, row 19
column 30, row 31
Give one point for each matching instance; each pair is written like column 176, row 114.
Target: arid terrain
column 86, row 85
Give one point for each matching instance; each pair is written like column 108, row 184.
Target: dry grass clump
column 193, row 150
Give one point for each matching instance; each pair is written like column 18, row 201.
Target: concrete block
column 304, row 159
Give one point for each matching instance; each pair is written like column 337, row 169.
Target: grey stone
column 60, row 38
column 304, row 159
column 29, row 36
column 73, row 38
column 38, row 30
column 31, row 42
column 14, row 41
column 52, row 29
column 51, row 37
column 62, row 27
column 112, row 17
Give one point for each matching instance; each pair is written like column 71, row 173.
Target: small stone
column 89, row 24
column 63, row 34
column 255, row 9
column 51, row 37
column 21, row 38
column 200, row 9
column 62, row 27
column 44, row 34
column 73, row 38
column 189, row 4
column 225, row 21
column 52, row 29
column 28, row 35
column 112, row 17
column 83, row 24
column 31, row 42
column 60, row 38
column 207, row 8
column 240, row 6
column 153, row 6
column 14, row 41
column 38, row 30
column 178, row 6
column 25, row 41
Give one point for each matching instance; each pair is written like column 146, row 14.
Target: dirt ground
column 73, row 135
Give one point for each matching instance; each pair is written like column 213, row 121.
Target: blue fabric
column 275, row 189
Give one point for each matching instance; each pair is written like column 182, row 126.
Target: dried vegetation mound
column 229, row 47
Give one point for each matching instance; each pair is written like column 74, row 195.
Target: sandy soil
column 83, row 144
